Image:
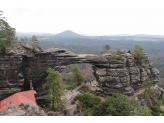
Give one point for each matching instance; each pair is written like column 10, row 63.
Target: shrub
column 97, row 100
column 2, row 46
column 89, row 112
column 145, row 111
column 69, row 87
column 88, row 99
column 120, row 105
column 139, row 54
column 65, row 112
column 34, row 49
column 156, row 108
column 96, row 107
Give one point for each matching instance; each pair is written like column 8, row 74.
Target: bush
column 34, row 49
column 96, row 107
column 139, row 54
column 145, row 111
column 69, row 87
column 88, row 99
column 2, row 46
column 65, row 112
column 119, row 105
column 89, row 112
column 156, row 108
column 97, row 100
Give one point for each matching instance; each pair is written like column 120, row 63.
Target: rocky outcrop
column 18, row 66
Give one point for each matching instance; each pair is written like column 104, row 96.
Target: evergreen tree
column 77, row 74
column 34, row 42
column 106, row 47
column 7, row 34
column 138, row 54
column 2, row 46
column 53, row 89
column 25, row 39
column 22, row 40
column 147, row 86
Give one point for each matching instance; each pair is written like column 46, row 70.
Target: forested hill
column 89, row 45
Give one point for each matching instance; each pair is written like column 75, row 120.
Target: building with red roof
column 17, row 98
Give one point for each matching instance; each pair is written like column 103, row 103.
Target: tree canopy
column 77, row 74
column 53, row 89
column 106, row 47
column 7, row 34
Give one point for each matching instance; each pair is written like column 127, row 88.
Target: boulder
column 29, row 104
column 12, row 106
column 22, row 104
column 32, row 108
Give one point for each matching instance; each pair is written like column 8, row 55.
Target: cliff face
column 17, row 67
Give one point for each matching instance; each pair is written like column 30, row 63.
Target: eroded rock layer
column 18, row 66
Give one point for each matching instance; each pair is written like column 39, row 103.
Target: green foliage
column 34, row 48
column 25, row 39
column 162, row 99
column 147, row 86
column 53, row 90
column 139, row 54
column 69, row 87
column 7, row 34
column 89, row 112
column 143, row 111
column 88, row 99
column 118, row 52
column 67, row 77
column 106, row 47
column 116, row 55
column 120, row 105
column 97, row 100
column 34, row 42
column 2, row 46
column 96, row 107
column 65, row 112
column 55, row 46
column 156, row 108
column 77, row 75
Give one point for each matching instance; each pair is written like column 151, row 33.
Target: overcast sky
column 91, row 17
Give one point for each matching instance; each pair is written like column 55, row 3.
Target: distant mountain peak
column 68, row 34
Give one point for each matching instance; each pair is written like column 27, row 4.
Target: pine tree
column 53, row 89
column 25, row 39
column 34, row 42
column 22, row 40
column 106, row 47
column 77, row 74
column 7, row 33
column 147, row 86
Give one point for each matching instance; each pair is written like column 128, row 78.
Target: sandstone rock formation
column 18, row 66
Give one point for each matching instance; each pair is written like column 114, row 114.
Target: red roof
column 17, row 98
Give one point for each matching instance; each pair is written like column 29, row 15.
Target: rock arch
column 17, row 68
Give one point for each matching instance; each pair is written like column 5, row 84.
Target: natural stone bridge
column 17, row 68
